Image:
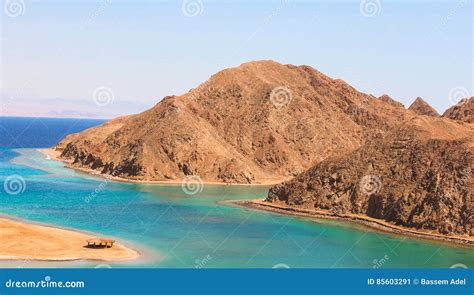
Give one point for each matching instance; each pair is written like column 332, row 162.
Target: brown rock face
column 463, row 111
column 391, row 101
column 264, row 121
column 261, row 121
column 421, row 107
column 417, row 175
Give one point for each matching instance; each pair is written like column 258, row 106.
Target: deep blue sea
column 19, row 132
column 173, row 229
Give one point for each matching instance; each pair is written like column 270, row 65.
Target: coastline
column 22, row 240
column 373, row 223
column 367, row 221
column 53, row 154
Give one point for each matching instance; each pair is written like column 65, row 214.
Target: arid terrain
column 418, row 175
column 421, row 107
column 463, row 111
column 334, row 148
column 25, row 241
column 256, row 123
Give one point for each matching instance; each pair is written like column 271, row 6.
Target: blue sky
column 56, row 54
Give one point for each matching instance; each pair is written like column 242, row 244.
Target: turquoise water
column 173, row 229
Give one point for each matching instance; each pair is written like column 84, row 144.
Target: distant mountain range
column 68, row 108
column 336, row 148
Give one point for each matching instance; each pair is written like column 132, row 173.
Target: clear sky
column 70, row 58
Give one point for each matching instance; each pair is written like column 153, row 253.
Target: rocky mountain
column 391, row 101
column 335, row 148
column 259, row 122
column 418, row 175
column 462, row 111
column 421, row 107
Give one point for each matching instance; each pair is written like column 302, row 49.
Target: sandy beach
column 26, row 241
column 356, row 218
column 53, row 154
column 281, row 209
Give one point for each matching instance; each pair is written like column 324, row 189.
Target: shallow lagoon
column 173, row 229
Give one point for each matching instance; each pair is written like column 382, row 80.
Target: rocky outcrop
column 391, row 101
column 462, row 111
column 337, row 149
column 418, row 175
column 259, row 122
column 421, row 107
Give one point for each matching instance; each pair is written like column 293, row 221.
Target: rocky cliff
column 337, row 149
column 462, row 111
column 259, row 122
column 418, row 175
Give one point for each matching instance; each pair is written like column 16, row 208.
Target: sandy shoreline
column 314, row 214
column 27, row 241
column 53, row 154
column 359, row 219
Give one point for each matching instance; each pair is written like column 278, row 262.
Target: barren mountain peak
column 258, row 122
column 421, row 107
column 462, row 111
column 265, row 122
column 387, row 98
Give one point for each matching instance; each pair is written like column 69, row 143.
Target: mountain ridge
column 259, row 122
column 326, row 142
column 462, row 111
column 417, row 175
column 421, row 107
